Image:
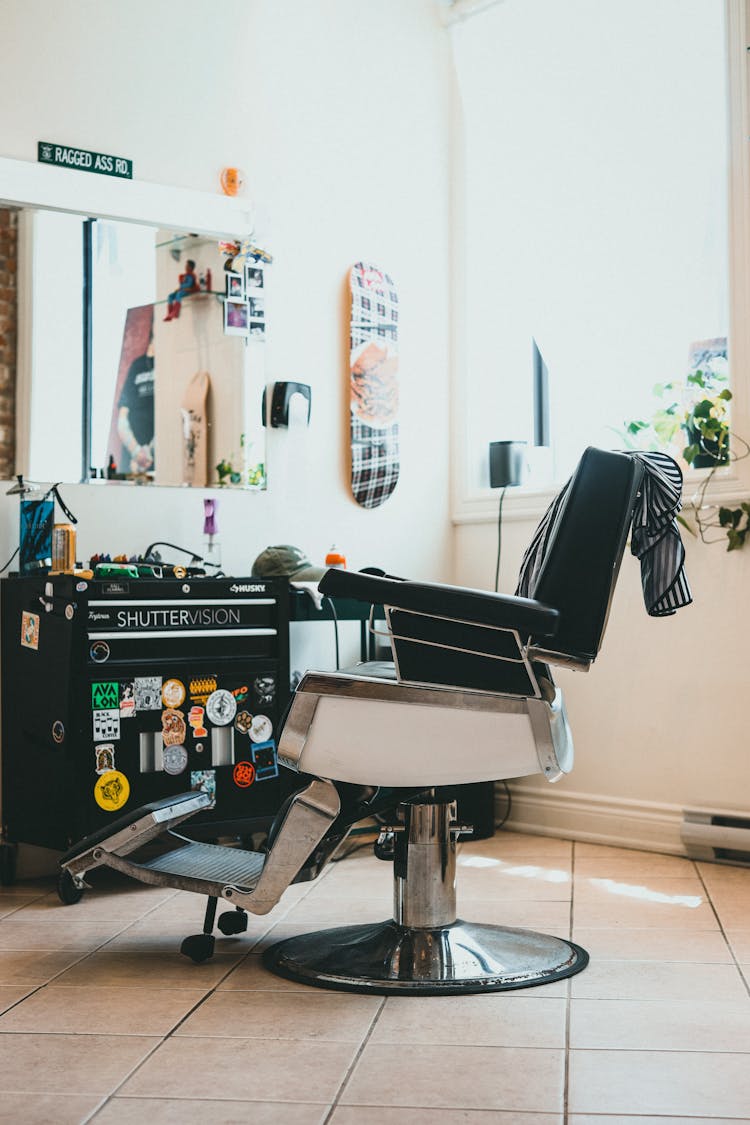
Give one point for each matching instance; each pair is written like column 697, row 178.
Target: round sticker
column 244, row 774
column 261, row 729
column 99, row 652
column 175, row 759
column 112, row 791
column 173, row 693
column 69, row 611
column 173, row 728
column 221, row 707
column 243, row 722
column 58, row 731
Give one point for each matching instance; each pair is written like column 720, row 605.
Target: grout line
column 569, row 989
column 723, row 932
column 354, row 1062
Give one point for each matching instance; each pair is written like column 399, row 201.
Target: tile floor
column 104, row 1021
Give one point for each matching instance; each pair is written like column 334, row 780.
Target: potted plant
column 695, row 417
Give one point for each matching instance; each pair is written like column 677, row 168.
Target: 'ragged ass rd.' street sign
column 66, row 157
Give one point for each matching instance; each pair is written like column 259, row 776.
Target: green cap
column 286, row 561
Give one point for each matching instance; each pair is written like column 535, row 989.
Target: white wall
column 338, row 113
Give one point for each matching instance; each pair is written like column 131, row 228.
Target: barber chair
column 468, row 697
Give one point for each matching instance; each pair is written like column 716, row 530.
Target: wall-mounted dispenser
column 281, row 397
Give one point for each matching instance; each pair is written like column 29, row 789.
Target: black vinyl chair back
column 584, row 549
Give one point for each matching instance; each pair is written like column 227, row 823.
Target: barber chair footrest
column 463, row 957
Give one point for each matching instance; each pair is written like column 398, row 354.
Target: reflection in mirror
column 172, row 391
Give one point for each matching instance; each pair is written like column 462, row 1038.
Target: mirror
column 145, row 355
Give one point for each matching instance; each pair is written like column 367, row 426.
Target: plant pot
column 709, row 457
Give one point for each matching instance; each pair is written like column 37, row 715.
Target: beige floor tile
column 165, row 935
column 250, row 975
column 94, row 1011
column 284, row 1070
column 48, row 1109
column 11, row 996
column 650, row 944
column 384, row 1115
column 280, row 932
column 658, row 980
column 606, row 1119
column 511, row 882
column 660, row 1082
column 315, row 1014
column 73, row 1064
column 326, row 911
column 180, row 1111
column 723, row 873
column 33, row 967
column 27, row 888
column 18, row 932
column 622, row 864
column 520, row 1019
column 646, row 888
column 739, row 940
column 508, row 843
column 548, row 917
column 95, row 907
column 734, row 916
column 136, row 970
column 619, row 910
column 510, row 1078
column 657, row 1025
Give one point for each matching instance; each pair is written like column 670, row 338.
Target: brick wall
column 8, row 338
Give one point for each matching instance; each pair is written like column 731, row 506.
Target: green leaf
column 687, row 526
column 725, row 516
column 696, row 378
column 725, row 394
column 690, row 452
column 634, row 427
column 703, row 408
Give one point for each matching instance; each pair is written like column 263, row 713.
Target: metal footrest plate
column 460, row 958
column 212, row 863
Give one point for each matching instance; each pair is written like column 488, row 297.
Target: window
column 595, row 214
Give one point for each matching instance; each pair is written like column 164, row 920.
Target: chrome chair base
column 462, row 957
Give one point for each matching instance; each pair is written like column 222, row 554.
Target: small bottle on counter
column 335, row 559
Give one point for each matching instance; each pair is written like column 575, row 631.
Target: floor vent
column 719, row 835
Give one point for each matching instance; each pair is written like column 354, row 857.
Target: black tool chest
column 116, row 693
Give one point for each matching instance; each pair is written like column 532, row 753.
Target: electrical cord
column 335, row 619
column 508, row 806
column 10, row 560
column 499, row 537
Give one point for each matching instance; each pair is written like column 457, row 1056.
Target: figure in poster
column 135, row 415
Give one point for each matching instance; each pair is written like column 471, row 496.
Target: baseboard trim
column 615, row 821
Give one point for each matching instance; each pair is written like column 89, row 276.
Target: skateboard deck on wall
column 195, row 431
column 374, row 384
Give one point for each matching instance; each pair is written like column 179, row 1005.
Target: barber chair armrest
column 481, row 607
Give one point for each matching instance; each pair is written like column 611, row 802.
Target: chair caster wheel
column 67, row 891
column 198, row 947
column 233, row 922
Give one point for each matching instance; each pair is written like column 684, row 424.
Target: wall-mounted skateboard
column 374, row 384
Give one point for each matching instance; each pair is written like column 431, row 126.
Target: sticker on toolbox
column 261, row 729
column 106, row 725
column 58, row 730
column 30, row 630
column 243, row 722
column 265, row 689
column 195, row 718
column 147, row 693
column 105, row 696
column 127, row 700
column 201, row 687
column 243, row 774
column 112, row 791
column 99, row 652
column 175, row 759
column 104, row 758
column 241, row 693
column 221, row 707
column 264, row 760
column 173, row 728
column 205, row 782
column 173, row 693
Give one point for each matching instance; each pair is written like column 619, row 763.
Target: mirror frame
column 28, row 185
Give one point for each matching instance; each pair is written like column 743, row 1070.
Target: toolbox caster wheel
column 7, row 864
column 233, row 922
column 67, row 891
column 198, row 947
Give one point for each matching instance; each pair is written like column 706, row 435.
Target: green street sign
column 66, row 157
